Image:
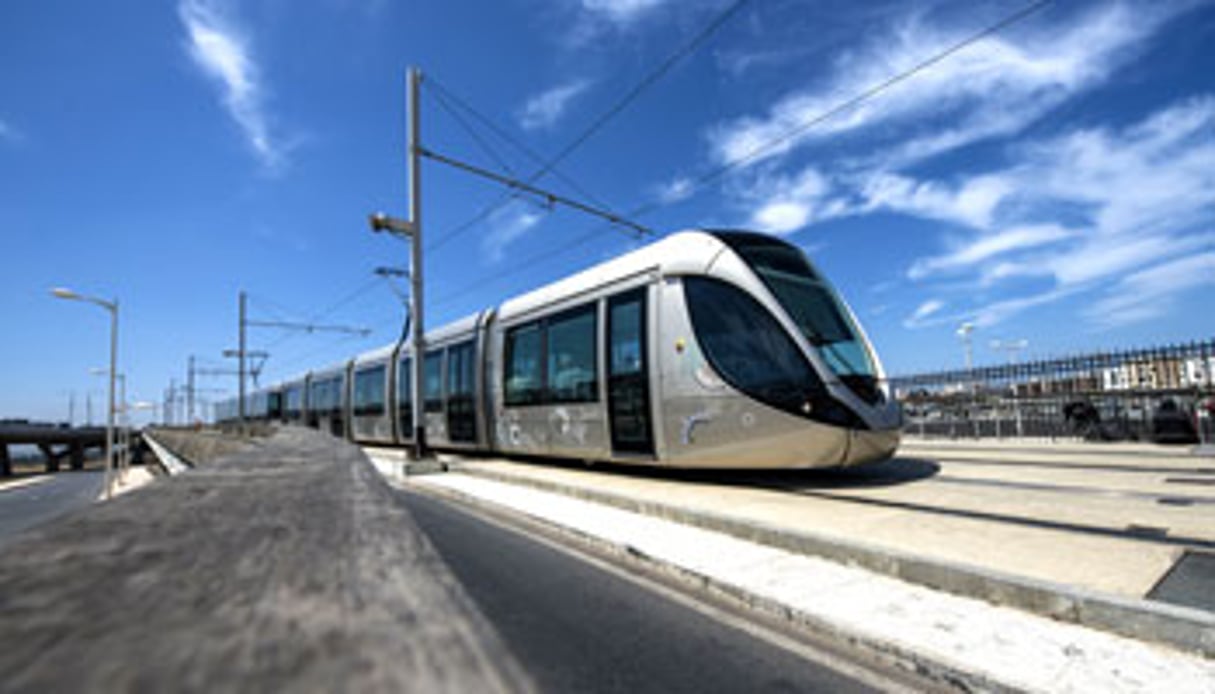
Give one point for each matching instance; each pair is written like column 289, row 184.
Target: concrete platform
column 1079, row 534
column 287, row 567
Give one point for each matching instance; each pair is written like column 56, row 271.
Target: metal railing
column 1164, row 394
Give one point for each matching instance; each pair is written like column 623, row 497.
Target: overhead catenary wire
column 460, row 120
column 604, row 118
column 760, row 149
column 549, row 197
column 445, row 95
column 763, row 148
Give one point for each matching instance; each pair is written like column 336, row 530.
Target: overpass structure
column 54, row 441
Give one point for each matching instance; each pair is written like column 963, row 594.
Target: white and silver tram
column 704, row 349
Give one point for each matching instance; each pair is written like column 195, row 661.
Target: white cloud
column 1151, row 293
column 982, row 248
column 923, row 312
column 9, row 133
column 973, row 203
column 781, row 217
column 994, row 87
column 787, row 204
column 545, row 109
column 507, row 226
column 621, row 11
column 1141, row 195
column 675, row 190
column 221, row 51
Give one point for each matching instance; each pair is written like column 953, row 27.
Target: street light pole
column 413, row 230
column 112, row 307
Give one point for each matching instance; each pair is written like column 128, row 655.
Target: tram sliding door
column 629, row 374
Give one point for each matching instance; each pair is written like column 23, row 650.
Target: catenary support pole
column 240, row 371
column 415, row 265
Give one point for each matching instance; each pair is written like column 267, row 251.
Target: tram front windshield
column 808, row 300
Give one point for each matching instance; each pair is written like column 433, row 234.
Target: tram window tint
column 523, row 374
column 369, row 392
column 460, row 369
column 432, row 383
column 626, row 342
column 316, row 397
column 747, row 346
column 808, row 300
column 294, row 397
column 461, row 413
column 405, row 396
column 571, row 357
column 326, row 396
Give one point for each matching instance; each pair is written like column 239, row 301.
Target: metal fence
column 1162, row 394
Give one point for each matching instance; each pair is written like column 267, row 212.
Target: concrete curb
column 1178, row 627
column 914, row 443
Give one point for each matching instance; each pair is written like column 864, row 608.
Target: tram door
column 628, row 374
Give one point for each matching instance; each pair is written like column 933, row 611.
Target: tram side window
column 316, row 402
column 524, row 376
column 571, row 357
column 369, row 392
column 405, row 396
column 335, row 395
column 746, row 345
column 460, row 371
column 295, row 402
column 433, row 381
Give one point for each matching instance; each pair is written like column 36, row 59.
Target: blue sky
column 1054, row 182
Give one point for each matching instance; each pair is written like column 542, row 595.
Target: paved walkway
column 289, row 567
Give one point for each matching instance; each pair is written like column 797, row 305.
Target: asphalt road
column 576, row 628
column 33, row 504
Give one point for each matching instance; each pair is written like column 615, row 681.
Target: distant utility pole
column 243, row 354
column 412, row 230
column 190, row 392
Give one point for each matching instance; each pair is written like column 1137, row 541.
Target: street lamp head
column 63, row 293
column 378, row 221
column 965, row 329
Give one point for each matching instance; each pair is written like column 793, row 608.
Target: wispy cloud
column 985, row 247
column 1150, row 293
column 221, row 49
column 675, row 190
column 507, row 226
column 995, row 87
column 923, row 312
column 1140, row 197
column 622, row 11
column 546, row 108
column 9, row 133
